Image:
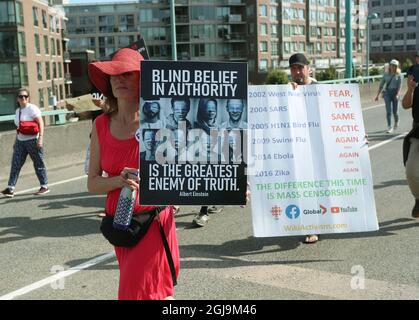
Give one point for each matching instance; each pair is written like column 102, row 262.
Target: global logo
column 292, row 211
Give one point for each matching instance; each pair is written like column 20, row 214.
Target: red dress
column 144, row 270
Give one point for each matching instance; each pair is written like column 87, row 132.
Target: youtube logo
column 335, row 209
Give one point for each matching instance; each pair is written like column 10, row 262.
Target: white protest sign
column 312, row 172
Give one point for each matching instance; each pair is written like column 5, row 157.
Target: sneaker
column 200, row 220
column 396, row 125
column 415, row 210
column 390, row 130
column 214, row 209
column 176, row 209
column 8, row 193
column 42, row 191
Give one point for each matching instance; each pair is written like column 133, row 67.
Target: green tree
column 374, row 72
column 277, row 76
column 406, row 64
column 328, row 74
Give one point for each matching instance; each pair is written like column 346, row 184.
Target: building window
column 47, row 70
column 24, row 80
column 274, row 48
column 274, row 29
column 35, row 16
column 9, row 75
column 397, row 25
column 286, row 30
column 375, row 37
column 44, row 20
column 60, row 70
column 46, row 45
column 22, row 44
column 411, row 36
column 274, row 13
column 263, row 46
column 387, row 37
column 263, row 10
column 53, row 52
column 287, row 47
column 7, row 103
column 251, row 65
column 263, row 65
column 387, row 26
column 54, row 70
column 411, row 12
column 39, row 70
column 41, row 98
column 58, row 48
column 19, row 14
column 37, row 44
column 399, row 13
column 263, row 29
column 399, row 36
column 7, row 13
column 8, row 45
column 411, row 24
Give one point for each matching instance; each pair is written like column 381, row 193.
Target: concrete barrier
column 65, row 145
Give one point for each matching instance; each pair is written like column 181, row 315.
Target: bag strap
column 18, row 121
column 388, row 83
column 167, row 250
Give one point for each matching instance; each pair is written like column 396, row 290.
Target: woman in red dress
column 144, row 270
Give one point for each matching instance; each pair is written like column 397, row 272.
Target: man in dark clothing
column 411, row 100
column 300, row 75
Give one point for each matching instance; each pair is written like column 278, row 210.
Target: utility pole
column 348, row 39
column 173, row 28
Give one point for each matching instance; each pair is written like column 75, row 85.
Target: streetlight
column 348, row 39
column 173, row 29
column 370, row 17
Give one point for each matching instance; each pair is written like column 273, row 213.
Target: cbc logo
column 292, row 211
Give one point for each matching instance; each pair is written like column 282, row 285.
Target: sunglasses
column 23, row 96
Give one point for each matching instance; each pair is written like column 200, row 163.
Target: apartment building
column 395, row 32
column 32, row 53
column 265, row 33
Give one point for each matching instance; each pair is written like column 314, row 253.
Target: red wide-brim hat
column 124, row 60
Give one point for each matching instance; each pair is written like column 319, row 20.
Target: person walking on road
column 390, row 87
column 145, row 270
column 29, row 141
column 411, row 143
column 300, row 75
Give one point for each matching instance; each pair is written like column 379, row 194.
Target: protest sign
column 312, row 169
column 193, row 121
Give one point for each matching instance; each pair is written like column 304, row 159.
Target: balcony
column 182, row 19
column 233, row 18
column 182, row 37
column 235, row 36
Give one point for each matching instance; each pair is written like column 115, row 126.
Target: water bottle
column 125, row 208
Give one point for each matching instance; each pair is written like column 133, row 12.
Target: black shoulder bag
column 139, row 226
